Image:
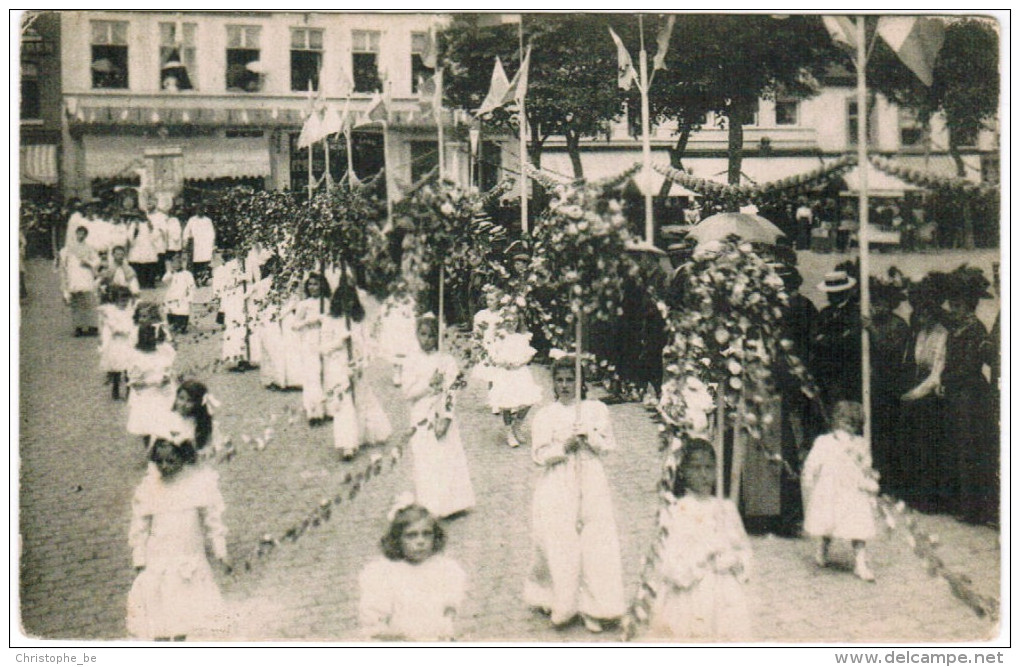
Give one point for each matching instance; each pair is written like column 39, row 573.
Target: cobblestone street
column 78, row 469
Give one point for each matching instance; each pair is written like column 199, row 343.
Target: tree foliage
column 572, row 88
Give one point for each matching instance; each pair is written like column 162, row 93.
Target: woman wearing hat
column 888, row 338
column 968, row 399
column 922, row 469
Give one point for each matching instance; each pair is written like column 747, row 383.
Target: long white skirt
column 576, row 564
column 175, row 596
column 442, row 483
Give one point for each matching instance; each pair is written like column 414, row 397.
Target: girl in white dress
column 415, row 592
column 441, row 480
column 152, row 387
column 514, row 390
column 231, row 284
column 483, row 333
column 576, row 559
column 706, row 559
column 358, row 417
column 307, row 323
column 839, row 487
column 190, row 419
column 117, row 336
column 176, row 509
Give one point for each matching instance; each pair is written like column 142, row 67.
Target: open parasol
column 746, row 226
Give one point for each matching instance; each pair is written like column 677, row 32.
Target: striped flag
column 498, row 86
column 626, row 74
column 916, row 40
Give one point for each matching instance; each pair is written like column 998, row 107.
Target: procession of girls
column 319, row 340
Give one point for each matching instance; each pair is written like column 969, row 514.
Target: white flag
column 498, row 86
column 626, row 75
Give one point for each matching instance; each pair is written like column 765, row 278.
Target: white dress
column 705, row 561
column 153, row 389
column 838, row 493
column 358, row 416
column 513, row 387
column 442, row 483
column 170, row 522
column 306, row 323
column 402, row 600
column 231, row 285
column 395, row 328
column 276, row 341
column 117, row 337
column 180, row 292
column 576, row 549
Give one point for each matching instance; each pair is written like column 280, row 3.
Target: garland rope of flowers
column 612, row 182
column 932, row 181
column 748, row 193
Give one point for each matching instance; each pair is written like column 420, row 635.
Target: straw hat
column 837, row 281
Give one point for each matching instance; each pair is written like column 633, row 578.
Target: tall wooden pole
column 646, row 142
column 862, row 235
column 437, row 107
column 522, row 135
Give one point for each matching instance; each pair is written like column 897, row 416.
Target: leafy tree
column 724, row 64
column 572, row 88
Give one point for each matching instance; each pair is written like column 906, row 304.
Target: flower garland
column 744, row 194
column 725, row 336
column 933, row 182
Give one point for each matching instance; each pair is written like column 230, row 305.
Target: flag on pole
column 498, row 86
column 659, row 62
column 491, row 20
column 842, row 30
column 311, row 131
column 333, row 121
column 431, row 50
column 916, row 40
column 626, row 74
column 376, row 111
column 519, row 84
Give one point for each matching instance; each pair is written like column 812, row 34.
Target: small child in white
column 706, row 558
column 179, row 295
column 415, row 592
column 176, row 508
column 839, row 486
column 514, row 390
column 117, row 336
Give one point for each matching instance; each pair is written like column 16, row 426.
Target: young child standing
column 576, row 564
column 152, row 388
column 117, row 336
column 358, row 417
column 179, row 295
column 483, row 333
column 839, row 488
column 514, row 391
column 706, row 558
column 442, row 483
column 176, row 509
column 307, row 323
column 415, row 592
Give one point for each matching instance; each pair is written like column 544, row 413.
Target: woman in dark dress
column 921, row 470
column 969, row 400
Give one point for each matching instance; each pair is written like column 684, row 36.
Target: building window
column 305, row 58
column 787, row 112
column 31, row 101
column 911, row 132
column 851, row 124
column 419, row 72
column 424, row 158
column 178, row 64
column 365, row 61
column 243, row 65
column 491, row 161
column 109, row 54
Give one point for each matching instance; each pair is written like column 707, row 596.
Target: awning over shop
column 880, row 184
column 202, row 157
column 38, row 164
column 99, row 116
